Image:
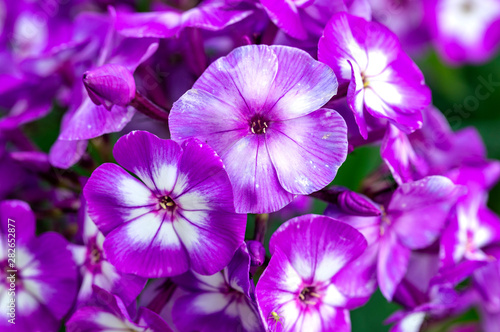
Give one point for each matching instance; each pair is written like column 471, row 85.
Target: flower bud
column 110, row 85
column 257, row 252
column 356, row 204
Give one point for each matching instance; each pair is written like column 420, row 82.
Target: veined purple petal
column 306, row 88
column 232, row 78
column 90, row 120
column 205, row 112
column 255, row 183
column 304, row 140
column 393, row 259
column 210, row 238
column 421, row 208
column 251, row 109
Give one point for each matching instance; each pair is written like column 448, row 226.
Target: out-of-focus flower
column 45, row 283
column 269, row 98
column 110, row 84
column 210, row 15
column 84, row 119
column 97, row 270
column 412, row 219
column 436, row 150
column 299, row 18
column 220, row 302
column 299, row 291
column 465, row 30
column 180, row 217
column 107, row 312
column 383, row 81
column 406, row 19
column 471, row 229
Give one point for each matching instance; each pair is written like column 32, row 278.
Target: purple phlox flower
column 110, row 84
column 107, row 312
column 486, row 281
column 32, row 83
column 435, row 149
column 159, row 296
column 383, row 81
column 178, row 216
column 464, row 30
column 472, row 228
column 421, row 298
column 89, row 120
column 220, row 302
column 210, row 15
column 266, row 125
column 96, row 270
column 406, row 19
column 303, row 17
column 412, row 219
column 44, row 277
column 26, row 99
column 299, row 289
column 305, row 20
column 86, row 120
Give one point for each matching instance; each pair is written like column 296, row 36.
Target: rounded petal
column 306, row 152
column 285, row 15
column 152, row 159
column 147, row 246
column 421, row 209
column 115, row 197
column 318, row 246
column 18, row 216
column 254, row 179
column 301, row 86
column 393, row 260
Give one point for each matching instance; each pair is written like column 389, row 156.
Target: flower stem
column 261, row 221
column 147, row 107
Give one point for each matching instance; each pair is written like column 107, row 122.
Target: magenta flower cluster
column 193, row 139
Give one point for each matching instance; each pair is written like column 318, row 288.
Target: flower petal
column 152, row 159
column 318, row 246
column 317, row 145
column 393, row 260
column 147, row 246
column 115, row 197
column 301, row 85
column 254, row 179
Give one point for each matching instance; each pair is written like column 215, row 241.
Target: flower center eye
column 95, row 256
column 467, row 6
column 167, row 203
column 258, row 125
column 308, row 295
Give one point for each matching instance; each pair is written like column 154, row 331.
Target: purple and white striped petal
column 182, row 218
column 296, row 291
column 370, row 56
